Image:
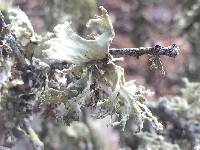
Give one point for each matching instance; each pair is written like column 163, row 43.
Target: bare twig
column 171, row 51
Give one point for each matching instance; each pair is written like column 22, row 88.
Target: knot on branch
column 171, row 51
column 156, row 49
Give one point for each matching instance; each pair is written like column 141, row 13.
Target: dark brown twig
column 171, row 51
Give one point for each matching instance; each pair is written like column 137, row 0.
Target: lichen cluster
column 59, row 74
column 180, row 116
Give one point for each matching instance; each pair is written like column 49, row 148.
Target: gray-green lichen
column 20, row 25
column 182, row 114
column 65, row 45
column 61, row 73
column 100, row 82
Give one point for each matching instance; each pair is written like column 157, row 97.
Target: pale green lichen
column 66, row 45
column 188, row 104
column 182, row 113
column 88, row 78
column 101, row 84
column 20, row 26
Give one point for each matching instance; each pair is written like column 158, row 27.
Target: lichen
column 62, row 73
column 75, row 49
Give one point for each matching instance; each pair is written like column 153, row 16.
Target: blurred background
column 136, row 23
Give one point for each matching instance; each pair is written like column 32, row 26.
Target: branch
column 171, row 51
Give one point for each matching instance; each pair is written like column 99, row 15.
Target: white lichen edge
column 66, row 45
